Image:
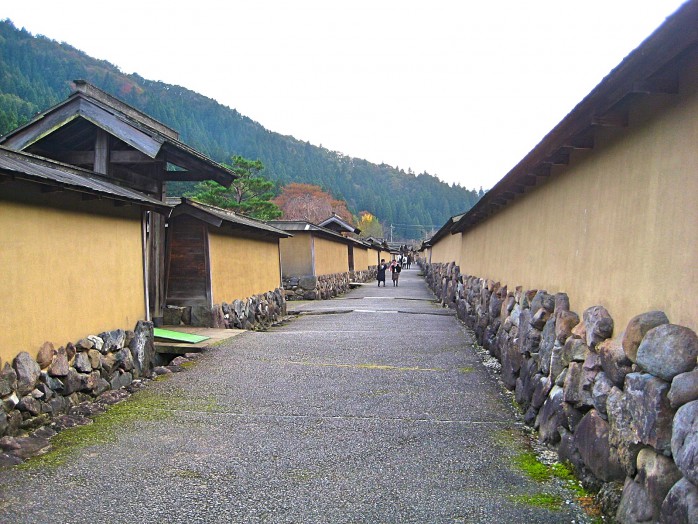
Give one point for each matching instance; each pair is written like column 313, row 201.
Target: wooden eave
column 128, row 125
column 219, row 218
column 652, row 68
column 54, row 176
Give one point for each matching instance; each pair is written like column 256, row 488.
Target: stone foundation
column 252, row 313
column 324, row 287
column 36, row 391
column 622, row 409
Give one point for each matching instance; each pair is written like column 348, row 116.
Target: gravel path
column 369, row 408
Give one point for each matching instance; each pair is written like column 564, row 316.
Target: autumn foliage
column 311, row 203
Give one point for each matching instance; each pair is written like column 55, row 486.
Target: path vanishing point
column 370, row 408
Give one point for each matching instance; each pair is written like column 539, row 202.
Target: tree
column 249, row 194
column 369, row 225
column 311, row 203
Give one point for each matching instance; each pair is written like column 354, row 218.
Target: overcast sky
column 460, row 89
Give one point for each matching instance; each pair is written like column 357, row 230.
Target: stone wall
column 36, row 391
column 252, row 313
column 620, row 405
column 310, row 287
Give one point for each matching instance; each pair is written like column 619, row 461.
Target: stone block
column 551, row 416
column 614, row 361
column 684, row 388
column 591, row 437
column 681, row 504
column 668, row 350
column 27, row 371
column 598, row 325
column 651, row 414
column 565, row 322
column 684, row 440
column 637, row 328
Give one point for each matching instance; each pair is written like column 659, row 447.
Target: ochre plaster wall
column 296, row 253
column 330, row 257
column 242, row 267
column 448, row 249
column 618, row 227
column 363, row 258
column 70, row 268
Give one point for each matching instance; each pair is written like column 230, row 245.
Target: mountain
column 36, row 72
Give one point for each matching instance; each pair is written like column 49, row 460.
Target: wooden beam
column 541, row 170
column 79, row 158
column 611, row 119
column 134, row 180
column 560, row 158
column 664, row 85
column 101, row 164
column 528, row 180
column 581, row 142
column 51, row 189
column 89, row 196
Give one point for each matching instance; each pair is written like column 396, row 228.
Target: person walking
column 381, row 272
column 395, row 268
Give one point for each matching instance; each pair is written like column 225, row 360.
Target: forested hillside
column 35, row 73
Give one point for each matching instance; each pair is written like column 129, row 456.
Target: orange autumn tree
column 311, row 203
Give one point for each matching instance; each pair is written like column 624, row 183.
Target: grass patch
column 539, row 500
column 531, row 466
column 565, row 472
column 142, row 405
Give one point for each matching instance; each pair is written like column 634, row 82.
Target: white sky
column 460, row 89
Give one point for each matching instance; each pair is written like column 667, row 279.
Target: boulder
column 562, row 302
column 600, row 391
column 684, row 388
column 565, row 321
column 142, row 348
column 28, row 372
column 543, row 300
column 681, row 504
column 542, row 387
column 643, row 496
column 637, row 328
column 8, row 380
column 684, row 440
column 201, row 316
column 614, row 361
column 95, row 358
column 113, row 340
column 84, row 344
column 578, row 384
column 308, row 282
column 646, row 399
column 82, row 363
column 540, row 317
column 547, row 342
column 591, row 438
column 45, row 355
column 59, row 365
column 623, row 435
column 97, row 341
column 667, row 350
column 74, row 382
column 551, row 416
column 598, row 325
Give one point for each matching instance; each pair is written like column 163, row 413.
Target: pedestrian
column 381, row 272
column 409, row 261
column 395, row 269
